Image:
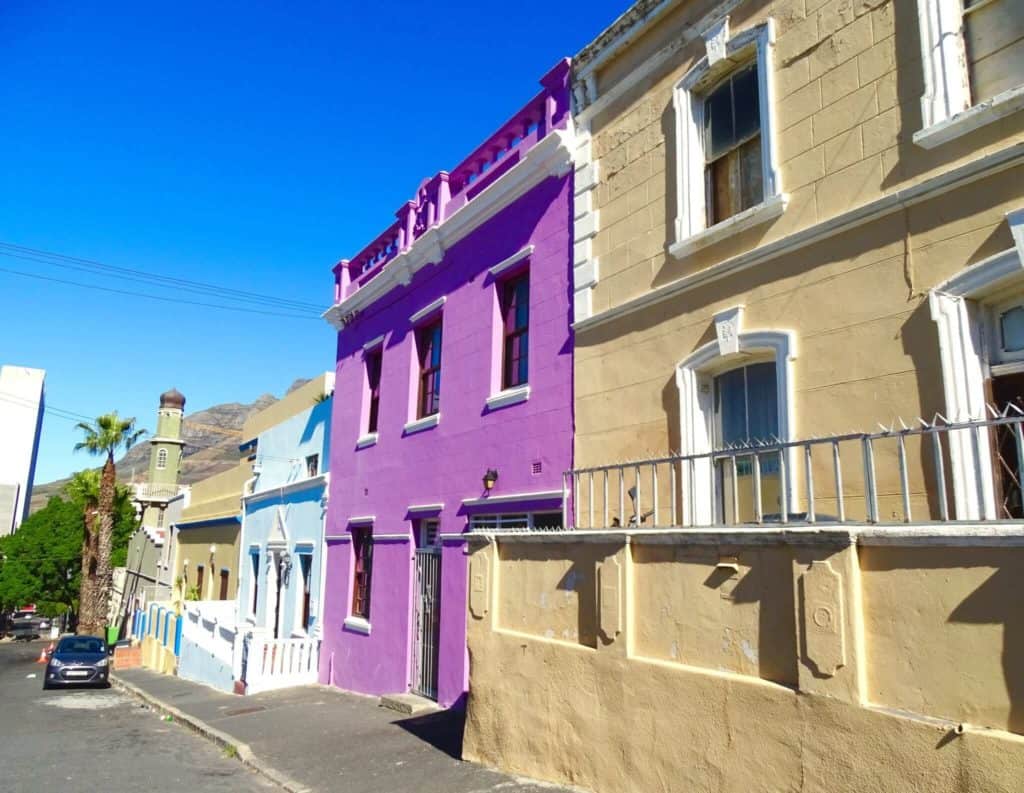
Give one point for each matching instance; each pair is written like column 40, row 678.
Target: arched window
column 734, row 392
column 161, row 459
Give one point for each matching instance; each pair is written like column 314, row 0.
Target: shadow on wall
column 581, row 577
column 997, row 601
column 1000, row 600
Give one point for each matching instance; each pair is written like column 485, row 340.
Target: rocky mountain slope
column 211, row 446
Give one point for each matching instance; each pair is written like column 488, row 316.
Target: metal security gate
column 428, row 622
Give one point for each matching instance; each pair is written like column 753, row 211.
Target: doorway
column 427, row 619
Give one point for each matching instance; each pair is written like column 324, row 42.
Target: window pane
column 1011, row 327
column 994, row 39
column 730, row 408
column 751, row 182
column 746, row 108
column 762, row 403
column 718, row 122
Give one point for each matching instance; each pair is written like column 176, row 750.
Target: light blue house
column 282, row 545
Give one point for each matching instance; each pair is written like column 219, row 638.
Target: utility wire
column 92, row 265
column 157, row 297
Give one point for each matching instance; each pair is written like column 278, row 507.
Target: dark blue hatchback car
column 78, row 660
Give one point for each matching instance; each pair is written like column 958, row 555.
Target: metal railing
column 145, row 491
column 900, row 474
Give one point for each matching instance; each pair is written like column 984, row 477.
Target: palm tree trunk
column 104, row 539
column 86, row 611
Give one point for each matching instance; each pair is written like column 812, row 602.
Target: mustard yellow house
column 799, row 362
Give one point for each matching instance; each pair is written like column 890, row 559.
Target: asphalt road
column 99, row 740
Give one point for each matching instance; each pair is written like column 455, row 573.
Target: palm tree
column 84, row 490
column 109, row 433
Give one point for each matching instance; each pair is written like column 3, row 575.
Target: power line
column 92, row 265
column 157, row 297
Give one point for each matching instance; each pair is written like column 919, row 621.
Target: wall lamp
column 490, row 478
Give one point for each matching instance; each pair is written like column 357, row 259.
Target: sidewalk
column 323, row 740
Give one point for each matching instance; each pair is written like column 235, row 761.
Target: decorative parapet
column 441, row 196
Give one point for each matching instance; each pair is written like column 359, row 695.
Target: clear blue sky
column 245, row 144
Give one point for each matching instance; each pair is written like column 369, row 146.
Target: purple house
column 453, row 400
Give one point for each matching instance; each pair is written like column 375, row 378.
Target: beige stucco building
column 794, row 220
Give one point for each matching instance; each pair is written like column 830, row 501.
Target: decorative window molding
column 946, row 107
column 424, row 423
column 509, row 396
column 511, row 261
column 959, row 309
column 373, row 343
column 358, row 625
column 511, row 498
column 696, row 402
column 427, row 310
column 369, row 439
column 755, row 45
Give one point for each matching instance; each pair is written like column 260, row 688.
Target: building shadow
column 442, row 729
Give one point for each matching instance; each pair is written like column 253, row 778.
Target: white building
column 21, row 418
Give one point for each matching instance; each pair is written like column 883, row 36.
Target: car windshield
column 80, row 644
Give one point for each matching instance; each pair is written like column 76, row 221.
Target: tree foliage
column 41, row 562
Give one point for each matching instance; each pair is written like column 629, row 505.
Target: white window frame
column 962, row 308
column 302, row 549
column 946, row 109
column 694, row 379
column 161, row 459
column 691, row 230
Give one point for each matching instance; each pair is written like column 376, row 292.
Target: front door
column 427, row 622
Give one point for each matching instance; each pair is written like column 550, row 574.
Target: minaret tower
column 166, row 444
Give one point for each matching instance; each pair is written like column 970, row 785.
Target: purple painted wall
column 529, row 443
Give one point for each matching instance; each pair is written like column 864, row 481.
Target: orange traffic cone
column 44, row 655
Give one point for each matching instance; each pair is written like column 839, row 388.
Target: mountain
column 211, row 438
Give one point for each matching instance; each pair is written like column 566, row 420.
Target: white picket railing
column 279, row 663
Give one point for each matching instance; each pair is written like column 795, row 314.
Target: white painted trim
column 427, row 310
column 391, row 537
column 980, row 168
column 696, row 412
column 973, row 118
column 589, row 101
column 361, row 520
column 551, row 156
column 586, row 223
column 358, row 625
column 510, row 396
column 374, row 343
column 943, row 60
column 424, row 423
column 369, row 439
column 338, row 538
column 959, row 314
column 764, row 212
column 539, row 495
column 515, row 258
column 292, row 487
column 452, row 536
column 944, row 536
column 691, row 229
column 426, row 507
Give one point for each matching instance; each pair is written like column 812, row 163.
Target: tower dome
column 172, row 399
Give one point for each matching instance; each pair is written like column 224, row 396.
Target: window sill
column 967, row 121
column 767, row 210
column 424, row 423
column 510, row 396
column 369, row 439
column 358, row 625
